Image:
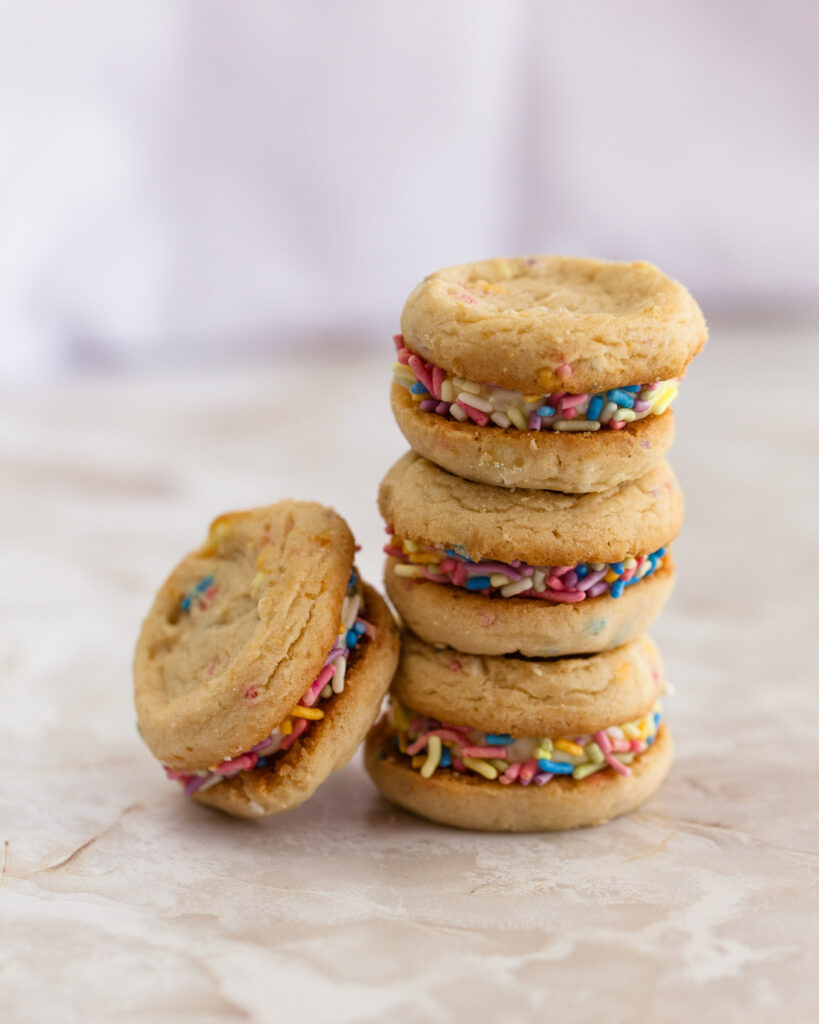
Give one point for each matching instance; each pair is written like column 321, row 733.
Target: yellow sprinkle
column 568, row 747
column 418, row 398
column 433, row 756
column 546, row 744
column 497, row 579
column 482, row 767
column 302, row 712
column 470, row 387
column 256, row 585
column 410, row 571
column 424, row 558
column 403, row 371
column 516, row 416
column 611, row 576
column 418, row 760
column 410, row 545
column 531, row 398
column 503, row 268
column 286, row 727
column 630, row 731
column 400, row 716
column 219, row 531
column 402, row 742
column 447, row 391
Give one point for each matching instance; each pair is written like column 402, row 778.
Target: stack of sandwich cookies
column 547, row 372
column 264, row 660
column 529, row 537
column 473, row 741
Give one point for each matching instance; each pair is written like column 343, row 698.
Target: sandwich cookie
column 264, row 660
column 540, row 573
column 547, row 372
column 513, row 745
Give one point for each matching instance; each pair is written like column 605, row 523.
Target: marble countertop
column 122, row 901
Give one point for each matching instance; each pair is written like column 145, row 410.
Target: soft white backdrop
column 185, row 178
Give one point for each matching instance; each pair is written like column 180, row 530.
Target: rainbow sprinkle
column 561, row 584
column 464, row 400
column 200, row 596
column 352, row 630
column 431, row 745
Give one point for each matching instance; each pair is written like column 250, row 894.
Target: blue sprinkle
column 359, row 628
column 616, row 588
column 621, row 397
column 498, row 739
column 418, row 388
column 617, row 567
column 395, row 741
column 186, row 604
column 450, row 552
column 649, row 740
column 352, row 638
column 262, row 762
column 477, row 583
column 203, row 584
column 555, row 767
column 657, row 717
column 595, row 407
column 632, row 388
column 659, row 552
column 545, row 410
column 446, row 758
column 582, row 570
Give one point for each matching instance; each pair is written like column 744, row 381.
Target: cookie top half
column 239, row 630
column 545, row 323
column 424, row 503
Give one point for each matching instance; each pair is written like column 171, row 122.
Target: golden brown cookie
column 554, row 322
column 247, row 648
column 548, row 460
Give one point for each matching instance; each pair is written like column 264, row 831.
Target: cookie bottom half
column 541, row 460
column 447, row 615
column 299, row 771
column 467, row 802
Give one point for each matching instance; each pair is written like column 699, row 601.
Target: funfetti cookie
column 547, row 372
column 494, row 571
column 516, row 745
column 263, row 660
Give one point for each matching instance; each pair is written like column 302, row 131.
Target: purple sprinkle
column 534, row 421
column 589, row 581
column 428, row 405
column 525, row 570
column 570, row 579
column 597, row 589
column 482, row 568
column 195, row 783
column 641, row 406
column 442, row 408
column 542, row 778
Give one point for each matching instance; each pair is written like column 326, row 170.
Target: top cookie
column 239, row 630
column 554, row 322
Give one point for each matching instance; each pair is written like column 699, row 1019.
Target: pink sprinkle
column 627, row 575
column 251, row 693
column 637, row 746
column 418, row 745
column 511, row 773
column 434, row 577
column 418, row 724
column 459, row 574
column 458, row 764
column 475, row 415
column 620, row 746
column 447, row 734
column 322, row 679
column 570, row 401
column 602, row 740
column 393, row 551
column 566, row 596
column 455, row 666
column 369, row 629
column 621, row 769
column 555, row 583
column 568, row 414
column 212, row 668
column 469, row 299
column 486, row 619
column 448, row 565
column 565, row 371
column 243, row 763
column 561, row 570
column 419, row 369
column 299, row 728
column 438, row 378
column 390, row 530
column 403, row 356
column 483, row 751
column 528, row 771
column 617, row 424
column 398, row 341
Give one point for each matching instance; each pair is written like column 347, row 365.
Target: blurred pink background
column 185, row 180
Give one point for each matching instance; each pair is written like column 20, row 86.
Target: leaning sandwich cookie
column 545, row 372
column 489, row 570
column 517, row 745
column 263, row 660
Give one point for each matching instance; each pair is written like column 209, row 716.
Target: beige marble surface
column 121, row 901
